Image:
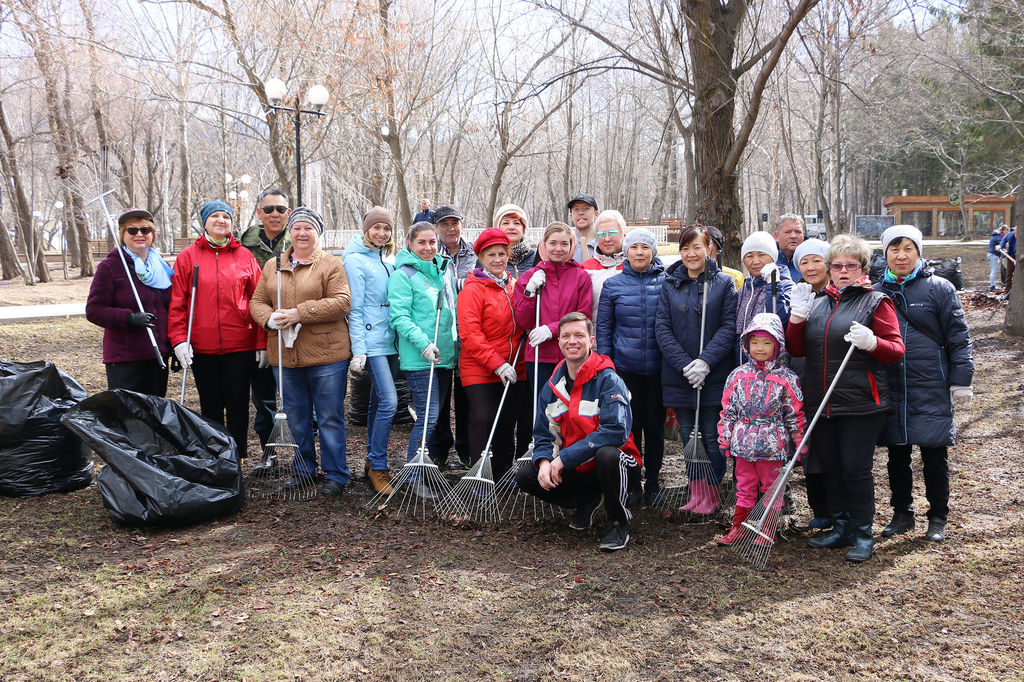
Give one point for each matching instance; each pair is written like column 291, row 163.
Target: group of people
column 590, row 316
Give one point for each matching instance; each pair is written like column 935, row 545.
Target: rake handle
column 430, row 377
column 188, row 335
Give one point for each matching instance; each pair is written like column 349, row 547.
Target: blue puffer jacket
column 369, row 322
column 938, row 356
column 625, row 319
column 677, row 328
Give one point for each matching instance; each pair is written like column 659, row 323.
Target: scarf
column 519, row 252
column 217, row 244
column 153, row 271
column 893, row 278
column 864, row 283
column 500, row 281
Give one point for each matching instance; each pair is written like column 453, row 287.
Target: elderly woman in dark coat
column 934, row 375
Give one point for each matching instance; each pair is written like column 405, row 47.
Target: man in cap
column 266, row 239
column 582, row 214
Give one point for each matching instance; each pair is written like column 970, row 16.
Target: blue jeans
column 418, row 380
column 320, row 387
column 382, row 408
column 993, row 268
column 709, row 415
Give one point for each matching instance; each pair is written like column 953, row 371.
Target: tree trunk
column 9, row 266
column 29, row 239
column 185, row 191
column 662, row 190
column 1013, row 322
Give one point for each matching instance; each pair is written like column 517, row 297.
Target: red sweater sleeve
column 795, row 338
column 887, row 330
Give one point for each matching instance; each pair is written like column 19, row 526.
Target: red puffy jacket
column 487, row 329
column 221, row 322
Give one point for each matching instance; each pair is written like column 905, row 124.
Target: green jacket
column 413, row 290
column 251, row 240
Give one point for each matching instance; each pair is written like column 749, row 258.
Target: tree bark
column 1013, row 321
column 29, row 238
column 9, row 266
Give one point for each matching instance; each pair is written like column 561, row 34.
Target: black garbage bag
column 37, row 454
column 359, row 399
column 949, row 268
column 166, row 465
column 877, row 266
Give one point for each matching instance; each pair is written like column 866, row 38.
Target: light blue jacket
column 369, row 322
column 413, row 290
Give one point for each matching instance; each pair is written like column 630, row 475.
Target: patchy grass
column 321, row 590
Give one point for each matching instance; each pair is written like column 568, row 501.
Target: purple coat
column 567, row 289
column 111, row 301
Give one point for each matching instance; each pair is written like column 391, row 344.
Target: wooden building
column 940, row 217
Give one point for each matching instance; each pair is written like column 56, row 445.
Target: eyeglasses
column 607, row 233
column 270, row 209
column 135, row 230
column 840, row 267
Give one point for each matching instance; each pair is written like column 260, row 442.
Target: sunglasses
column 135, row 230
column 270, row 209
column 607, row 233
column 840, row 267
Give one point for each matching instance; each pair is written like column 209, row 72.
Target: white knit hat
column 760, row 241
column 895, row 232
column 510, row 208
column 811, row 247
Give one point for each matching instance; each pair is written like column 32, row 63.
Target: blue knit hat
column 211, row 207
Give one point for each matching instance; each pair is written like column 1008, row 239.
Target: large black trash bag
column 37, row 454
column 166, row 465
column 949, row 268
column 877, row 266
column 359, row 399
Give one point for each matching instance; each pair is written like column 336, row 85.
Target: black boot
column 863, row 543
column 902, row 522
column 936, row 530
column 839, row 537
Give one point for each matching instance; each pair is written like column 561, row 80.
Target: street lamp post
column 237, row 196
column 317, row 97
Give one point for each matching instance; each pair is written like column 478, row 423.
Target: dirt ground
column 325, row 590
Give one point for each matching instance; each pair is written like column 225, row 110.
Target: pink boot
column 696, row 495
column 708, row 504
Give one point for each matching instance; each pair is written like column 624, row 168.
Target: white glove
column 183, row 351
column 358, row 363
column 696, row 372
column 289, row 334
column 861, row 337
column 536, row 282
column 431, row 354
column 801, row 297
column 767, row 270
column 506, row 373
column 961, row 395
column 273, row 323
column 262, row 360
column 539, row 335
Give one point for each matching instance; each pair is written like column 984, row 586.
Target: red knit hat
column 490, row 237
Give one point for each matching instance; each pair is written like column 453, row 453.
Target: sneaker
column 820, row 523
column 298, row 482
column 634, row 496
column 380, row 480
column 652, row 494
column 584, row 516
column 333, row 489
column 617, row 536
column 265, row 469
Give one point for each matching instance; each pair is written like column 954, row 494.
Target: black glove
column 142, row 320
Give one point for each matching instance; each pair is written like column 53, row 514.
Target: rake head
column 759, row 533
column 275, row 477
column 474, row 498
column 513, row 502
column 701, row 497
column 416, row 487
column 281, row 434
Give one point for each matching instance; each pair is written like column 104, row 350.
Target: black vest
column 864, row 386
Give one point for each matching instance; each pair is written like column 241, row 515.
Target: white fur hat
column 760, row 241
column 895, row 232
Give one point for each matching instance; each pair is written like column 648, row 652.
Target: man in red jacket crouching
column 583, row 449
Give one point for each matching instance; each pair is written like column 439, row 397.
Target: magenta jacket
column 567, row 289
column 111, row 301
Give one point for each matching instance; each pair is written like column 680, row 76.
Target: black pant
column 223, row 384
column 441, row 439
column 141, row 376
column 615, row 473
column 263, row 385
column 483, row 406
column 817, row 497
column 936, row 479
column 648, row 420
column 844, row 448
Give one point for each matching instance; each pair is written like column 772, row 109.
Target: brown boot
column 380, row 480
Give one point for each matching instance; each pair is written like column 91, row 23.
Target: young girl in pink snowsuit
column 762, row 416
